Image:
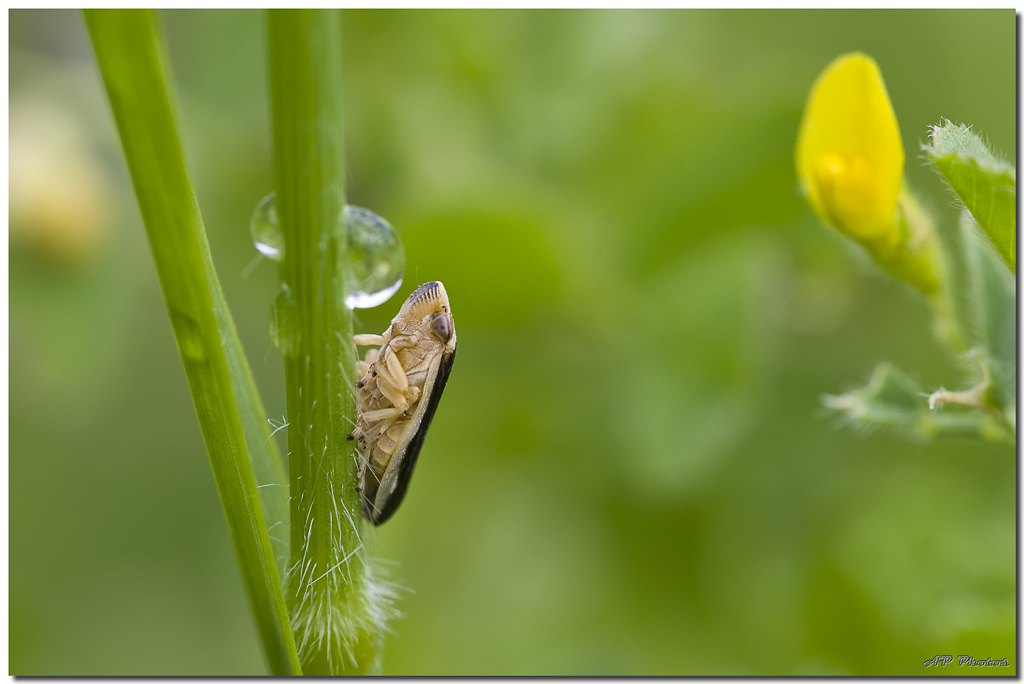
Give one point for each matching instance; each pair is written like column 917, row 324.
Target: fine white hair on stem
column 342, row 606
column 277, row 428
column 343, row 598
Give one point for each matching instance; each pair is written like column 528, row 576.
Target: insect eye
column 441, row 325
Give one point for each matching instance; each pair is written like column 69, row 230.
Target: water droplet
column 374, row 260
column 284, row 322
column 266, row 229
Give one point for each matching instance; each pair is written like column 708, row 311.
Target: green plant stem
column 126, row 48
column 944, row 323
column 926, row 249
column 328, row 586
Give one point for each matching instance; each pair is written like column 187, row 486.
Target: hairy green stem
column 230, row 414
column 334, row 603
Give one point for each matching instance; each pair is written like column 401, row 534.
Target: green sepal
column 894, row 400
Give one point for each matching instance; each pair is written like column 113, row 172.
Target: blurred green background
column 631, row 472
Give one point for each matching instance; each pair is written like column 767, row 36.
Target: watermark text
column 965, row 661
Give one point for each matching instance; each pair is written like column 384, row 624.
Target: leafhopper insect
column 400, row 386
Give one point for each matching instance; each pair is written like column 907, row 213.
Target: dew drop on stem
column 266, row 229
column 373, row 260
column 284, row 322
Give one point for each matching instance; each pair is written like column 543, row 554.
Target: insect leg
column 396, row 370
column 381, row 414
column 387, row 387
column 365, row 340
column 361, row 474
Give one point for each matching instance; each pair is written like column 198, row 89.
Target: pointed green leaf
column 992, row 314
column 985, row 185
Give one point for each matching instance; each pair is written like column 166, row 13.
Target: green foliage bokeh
column 631, row 472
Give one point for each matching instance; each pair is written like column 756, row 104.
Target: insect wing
column 396, row 478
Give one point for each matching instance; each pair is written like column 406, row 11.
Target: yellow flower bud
column 849, row 156
column 849, row 160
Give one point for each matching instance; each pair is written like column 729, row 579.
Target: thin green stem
column 925, row 263
column 945, row 325
column 335, row 604
column 226, row 402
